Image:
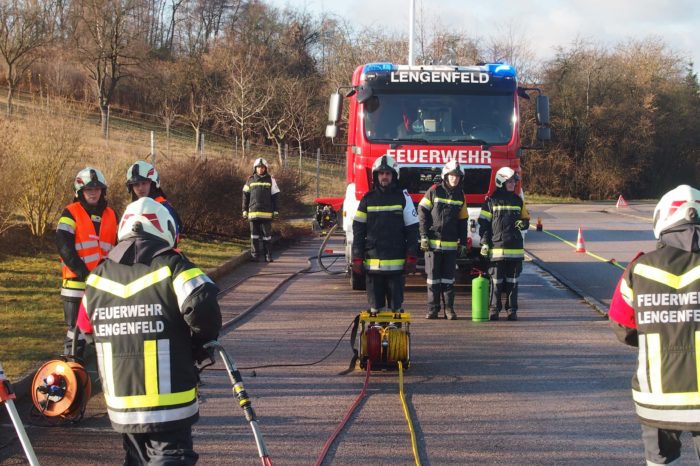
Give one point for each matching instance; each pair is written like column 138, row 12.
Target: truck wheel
column 358, row 281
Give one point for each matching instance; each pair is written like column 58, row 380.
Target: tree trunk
column 104, row 123
column 10, row 95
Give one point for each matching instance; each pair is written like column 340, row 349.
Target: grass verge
column 31, row 311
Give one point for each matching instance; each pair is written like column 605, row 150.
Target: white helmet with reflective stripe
column 89, row 177
column 260, row 161
column 677, row 207
column 452, row 168
column 142, row 171
column 386, row 163
column 147, row 216
column 504, row 174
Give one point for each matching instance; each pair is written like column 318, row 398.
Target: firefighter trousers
column 260, row 238
column 385, row 291
column 663, row 446
column 170, row 448
column 440, row 269
column 71, row 306
column 504, row 280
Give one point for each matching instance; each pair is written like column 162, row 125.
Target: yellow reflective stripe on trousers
column 130, row 289
column 667, row 278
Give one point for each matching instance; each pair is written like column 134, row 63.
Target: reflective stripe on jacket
column 90, row 246
column 663, row 289
column 443, row 217
column 385, row 230
column 142, row 317
column 497, row 225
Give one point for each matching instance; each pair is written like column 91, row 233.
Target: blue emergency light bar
column 378, row 67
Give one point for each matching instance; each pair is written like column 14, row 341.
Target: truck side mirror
column 542, row 107
column 335, row 107
column 544, row 133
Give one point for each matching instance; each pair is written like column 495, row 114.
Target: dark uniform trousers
column 504, row 280
column 662, row 444
column 385, row 290
column 70, row 316
column 171, row 448
column 261, row 237
column 440, row 268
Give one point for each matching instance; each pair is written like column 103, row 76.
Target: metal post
column 318, row 172
column 153, row 148
column 411, row 19
column 6, row 397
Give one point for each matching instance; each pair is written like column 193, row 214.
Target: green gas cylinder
column 480, row 299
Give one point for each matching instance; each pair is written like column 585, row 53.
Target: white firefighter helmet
column 452, row 168
column 679, row 206
column 142, row 171
column 89, row 177
column 386, row 163
column 153, row 218
column 260, row 161
column 504, row 174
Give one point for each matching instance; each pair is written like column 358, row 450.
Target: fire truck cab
column 425, row 116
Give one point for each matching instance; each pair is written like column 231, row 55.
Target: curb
column 597, row 306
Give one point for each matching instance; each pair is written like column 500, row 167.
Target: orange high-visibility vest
column 90, row 247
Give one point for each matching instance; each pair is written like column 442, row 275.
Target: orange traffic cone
column 539, row 224
column 621, row 202
column 580, row 245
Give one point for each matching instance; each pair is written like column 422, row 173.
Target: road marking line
column 595, row 256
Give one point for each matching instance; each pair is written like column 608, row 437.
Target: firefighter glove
column 245, row 214
column 410, row 264
column 424, row 244
column 462, row 251
column 520, row 225
column 485, row 250
column 357, row 265
column 275, row 215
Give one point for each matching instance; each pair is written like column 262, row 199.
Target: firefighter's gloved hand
column 202, row 355
column 410, row 264
column 485, row 250
column 462, row 251
column 275, row 215
column 520, row 225
column 424, row 244
column 357, row 265
column 245, row 214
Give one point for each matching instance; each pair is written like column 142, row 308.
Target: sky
column 546, row 24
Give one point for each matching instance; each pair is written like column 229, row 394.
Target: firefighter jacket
column 497, row 219
column 84, row 236
column 443, row 217
column 260, row 197
column 150, row 311
column 385, row 230
column 655, row 307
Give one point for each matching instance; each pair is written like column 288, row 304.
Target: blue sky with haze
column 546, row 24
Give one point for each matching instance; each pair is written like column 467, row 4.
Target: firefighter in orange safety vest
column 655, row 308
column 142, row 179
column 86, row 232
column 150, row 312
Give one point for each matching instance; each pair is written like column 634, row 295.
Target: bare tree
column 25, row 30
column 109, row 45
column 302, row 102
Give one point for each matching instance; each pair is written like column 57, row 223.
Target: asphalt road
column 549, row 389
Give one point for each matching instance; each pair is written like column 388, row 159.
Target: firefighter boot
column 432, row 313
column 493, row 314
column 450, row 313
column 512, row 315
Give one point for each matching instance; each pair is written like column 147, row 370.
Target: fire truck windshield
column 440, row 118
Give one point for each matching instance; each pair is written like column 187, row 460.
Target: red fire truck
column 425, row 116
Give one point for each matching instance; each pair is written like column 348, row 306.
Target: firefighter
column 86, row 232
column 260, row 195
column 443, row 232
column 502, row 219
column 654, row 308
column 150, row 311
column 385, row 237
column 142, row 179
